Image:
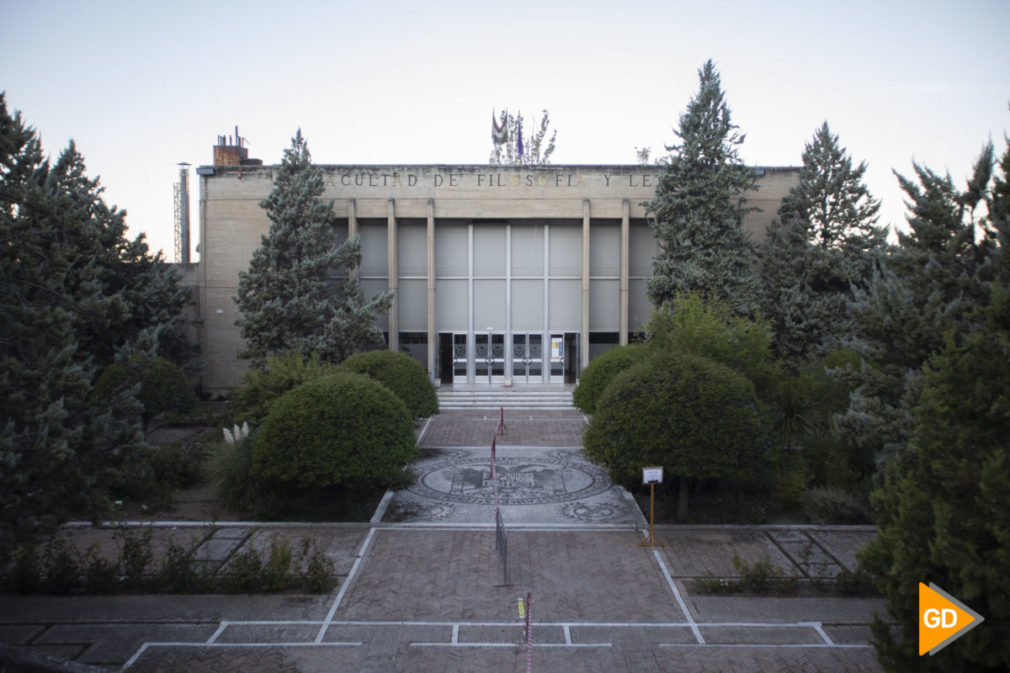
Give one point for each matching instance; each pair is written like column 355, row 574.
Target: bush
column 251, row 401
column 164, row 386
column 695, row 417
column 829, row 504
column 708, row 329
column 337, row 430
column 601, row 371
column 400, row 373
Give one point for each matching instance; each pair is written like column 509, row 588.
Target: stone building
column 502, row 275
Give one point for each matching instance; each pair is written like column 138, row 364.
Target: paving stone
column 268, row 633
column 16, row 634
column 116, row 643
column 510, row 634
column 632, row 636
column 848, row 633
column 476, row 428
column 843, row 544
column 781, row 635
column 695, row 552
column 215, row 660
column 386, row 633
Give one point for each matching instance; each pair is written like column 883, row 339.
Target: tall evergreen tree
column 60, row 446
column 816, row 254
column 299, row 293
column 537, row 146
column 698, row 209
column 943, row 508
column 924, row 290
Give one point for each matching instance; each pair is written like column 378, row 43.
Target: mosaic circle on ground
column 521, row 481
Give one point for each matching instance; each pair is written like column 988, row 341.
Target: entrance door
column 489, row 357
column 459, row 357
column 564, row 357
column 527, row 358
column 445, row 357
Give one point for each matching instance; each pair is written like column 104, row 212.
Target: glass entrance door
column 489, row 357
column 459, row 357
column 527, row 358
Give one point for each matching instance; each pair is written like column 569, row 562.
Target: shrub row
column 58, row 568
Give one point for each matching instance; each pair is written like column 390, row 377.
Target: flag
column 499, row 133
column 519, row 138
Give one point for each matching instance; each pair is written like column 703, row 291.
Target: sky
column 142, row 86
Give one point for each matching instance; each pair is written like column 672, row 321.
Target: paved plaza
column 422, row 587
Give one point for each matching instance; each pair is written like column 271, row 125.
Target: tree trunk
column 682, row 499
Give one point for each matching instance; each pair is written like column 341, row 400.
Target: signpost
column 652, row 476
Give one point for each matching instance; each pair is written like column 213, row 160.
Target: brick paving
column 427, row 597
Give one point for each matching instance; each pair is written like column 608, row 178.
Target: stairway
column 493, row 397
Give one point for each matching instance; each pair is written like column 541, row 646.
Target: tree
column 925, row 289
column 61, row 249
column 691, row 325
column 943, row 509
column 698, row 209
column 299, row 293
column 511, row 147
column 694, row 416
column 816, row 254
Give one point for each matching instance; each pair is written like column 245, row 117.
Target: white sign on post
column 652, row 475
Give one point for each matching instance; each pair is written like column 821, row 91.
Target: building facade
column 501, row 275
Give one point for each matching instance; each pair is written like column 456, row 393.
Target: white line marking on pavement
column 676, row 593
column 220, row 629
column 568, row 634
column 815, row 646
column 344, row 586
column 817, row 626
column 535, row 645
column 420, row 437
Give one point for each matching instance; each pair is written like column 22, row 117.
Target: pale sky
column 141, row 86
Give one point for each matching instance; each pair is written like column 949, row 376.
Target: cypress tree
column 925, row 289
column 299, row 293
column 698, row 209
column 816, row 254
column 61, row 447
column 943, row 508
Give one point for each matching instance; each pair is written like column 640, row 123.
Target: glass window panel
column 374, row 247
column 412, row 238
column 528, row 250
column 604, row 248
column 565, row 250
column 489, row 250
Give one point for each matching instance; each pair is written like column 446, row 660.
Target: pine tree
column 60, row 446
column 816, row 254
column 924, row 290
column 697, row 212
column 537, row 146
column 943, row 509
column 299, row 293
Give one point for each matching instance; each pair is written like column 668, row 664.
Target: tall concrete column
column 352, row 228
column 584, row 344
column 393, row 272
column 430, row 259
column 622, row 321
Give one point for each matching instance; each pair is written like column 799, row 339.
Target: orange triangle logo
column 942, row 619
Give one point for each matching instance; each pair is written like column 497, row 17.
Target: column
column 430, row 259
column 352, row 228
column 622, row 321
column 584, row 341
column 393, row 273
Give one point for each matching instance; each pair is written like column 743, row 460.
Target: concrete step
column 498, row 397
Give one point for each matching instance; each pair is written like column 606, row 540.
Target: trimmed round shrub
column 693, row 416
column 164, row 386
column 251, row 400
column 342, row 429
column 400, row 373
column 601, row 371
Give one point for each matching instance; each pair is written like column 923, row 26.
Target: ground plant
column 400, row 373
